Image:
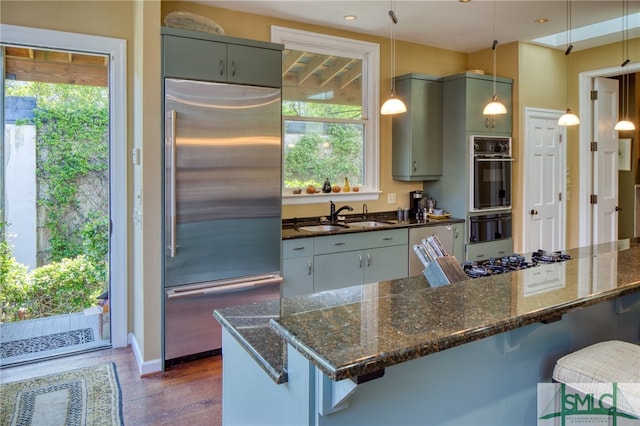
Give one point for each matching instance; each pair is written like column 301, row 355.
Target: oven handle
column 494, row 159
column 496, row 219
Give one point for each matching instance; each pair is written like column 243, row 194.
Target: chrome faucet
column 334, row 213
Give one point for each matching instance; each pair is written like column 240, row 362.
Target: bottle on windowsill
column 346, row 187
column 326, row 188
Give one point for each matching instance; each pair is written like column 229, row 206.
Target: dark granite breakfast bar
column 354, row 355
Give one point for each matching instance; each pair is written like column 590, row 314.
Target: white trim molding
column 145, row 368
column 585, row 81
column 369, row 53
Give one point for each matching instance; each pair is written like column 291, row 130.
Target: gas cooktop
column 513, row 262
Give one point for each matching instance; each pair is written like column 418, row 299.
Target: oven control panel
column 491, row 146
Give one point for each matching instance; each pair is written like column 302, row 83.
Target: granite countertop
column 290, row 227
column 250, row 324
column 362, row 329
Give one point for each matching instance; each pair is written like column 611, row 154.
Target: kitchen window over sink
column 330, row 92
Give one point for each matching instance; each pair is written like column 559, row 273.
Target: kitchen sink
column 322, row 228
column 370, row 224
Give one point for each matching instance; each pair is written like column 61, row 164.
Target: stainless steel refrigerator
column 222, row 207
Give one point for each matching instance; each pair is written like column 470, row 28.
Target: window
column 330, row 121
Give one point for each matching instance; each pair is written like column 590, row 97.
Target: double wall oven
column 491, row 173
column 490, row 197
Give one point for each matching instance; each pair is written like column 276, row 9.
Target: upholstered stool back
column 587, row 369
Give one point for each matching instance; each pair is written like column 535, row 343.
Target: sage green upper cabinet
column 202, row 56
column 417, row 133
column 466, row 95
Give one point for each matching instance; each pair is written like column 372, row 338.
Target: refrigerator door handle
column 173, row 294
column 171, row 142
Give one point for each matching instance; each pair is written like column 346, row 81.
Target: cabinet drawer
column 483, row 251
column 359, row 241
column 297, row 248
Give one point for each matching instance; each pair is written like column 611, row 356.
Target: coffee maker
column 416, row 201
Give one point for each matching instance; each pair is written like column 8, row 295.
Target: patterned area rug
column 46, row 343
column 87, row 396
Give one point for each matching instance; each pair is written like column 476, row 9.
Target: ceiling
column 465, row 27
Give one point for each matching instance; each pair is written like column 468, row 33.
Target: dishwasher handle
column 218, row 288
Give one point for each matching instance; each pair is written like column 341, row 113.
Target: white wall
column 20, row 191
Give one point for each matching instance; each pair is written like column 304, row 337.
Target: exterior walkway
column 42, row 338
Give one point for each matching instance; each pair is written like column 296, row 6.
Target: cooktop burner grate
column 513, row 262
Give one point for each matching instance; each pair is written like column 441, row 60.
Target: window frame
column 369, row 53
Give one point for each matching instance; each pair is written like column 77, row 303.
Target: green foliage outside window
column 329, row 147
column 72, row 124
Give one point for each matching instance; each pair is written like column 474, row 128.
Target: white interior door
column 605, row 176
column 544, row 183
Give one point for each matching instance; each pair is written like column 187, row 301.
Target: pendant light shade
column 393, row 105
column 625, row 124
column 494, row 107
column 568, row 118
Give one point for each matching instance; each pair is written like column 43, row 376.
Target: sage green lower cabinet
column 353, row 259
column 336, row 261
column 297, row 267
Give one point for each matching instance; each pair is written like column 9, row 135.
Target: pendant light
column 393, row 105
column 494, row 107
column 625, row 124
column 569, row 118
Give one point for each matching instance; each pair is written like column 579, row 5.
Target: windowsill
column 294, row 199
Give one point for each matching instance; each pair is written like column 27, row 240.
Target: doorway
column 112, row 53
column 589, row 212
column 544, row 217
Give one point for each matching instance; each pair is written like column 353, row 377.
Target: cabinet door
column 254, row 65
column 479, row 94
column 194, row 59
column 332, row 271
column 417, row 134
column 385, row 263
column 298, row 276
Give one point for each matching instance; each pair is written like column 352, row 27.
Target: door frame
column 117, row 51
column 585, row 82
column 552, row 114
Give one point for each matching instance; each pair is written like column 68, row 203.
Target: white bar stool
column 613, row 361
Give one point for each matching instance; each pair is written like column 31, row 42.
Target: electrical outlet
column 391, row 198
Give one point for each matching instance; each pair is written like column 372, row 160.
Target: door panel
column 543, row 213
column 605, row 178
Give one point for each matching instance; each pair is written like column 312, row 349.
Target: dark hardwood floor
column 189, row 394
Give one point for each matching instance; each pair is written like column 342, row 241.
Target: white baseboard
column 144, row 367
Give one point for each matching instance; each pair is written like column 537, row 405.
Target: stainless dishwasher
column 446, row 235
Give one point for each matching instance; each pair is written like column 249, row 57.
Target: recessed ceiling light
column 541, row 20
column 349, row 17
column 464, row 1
